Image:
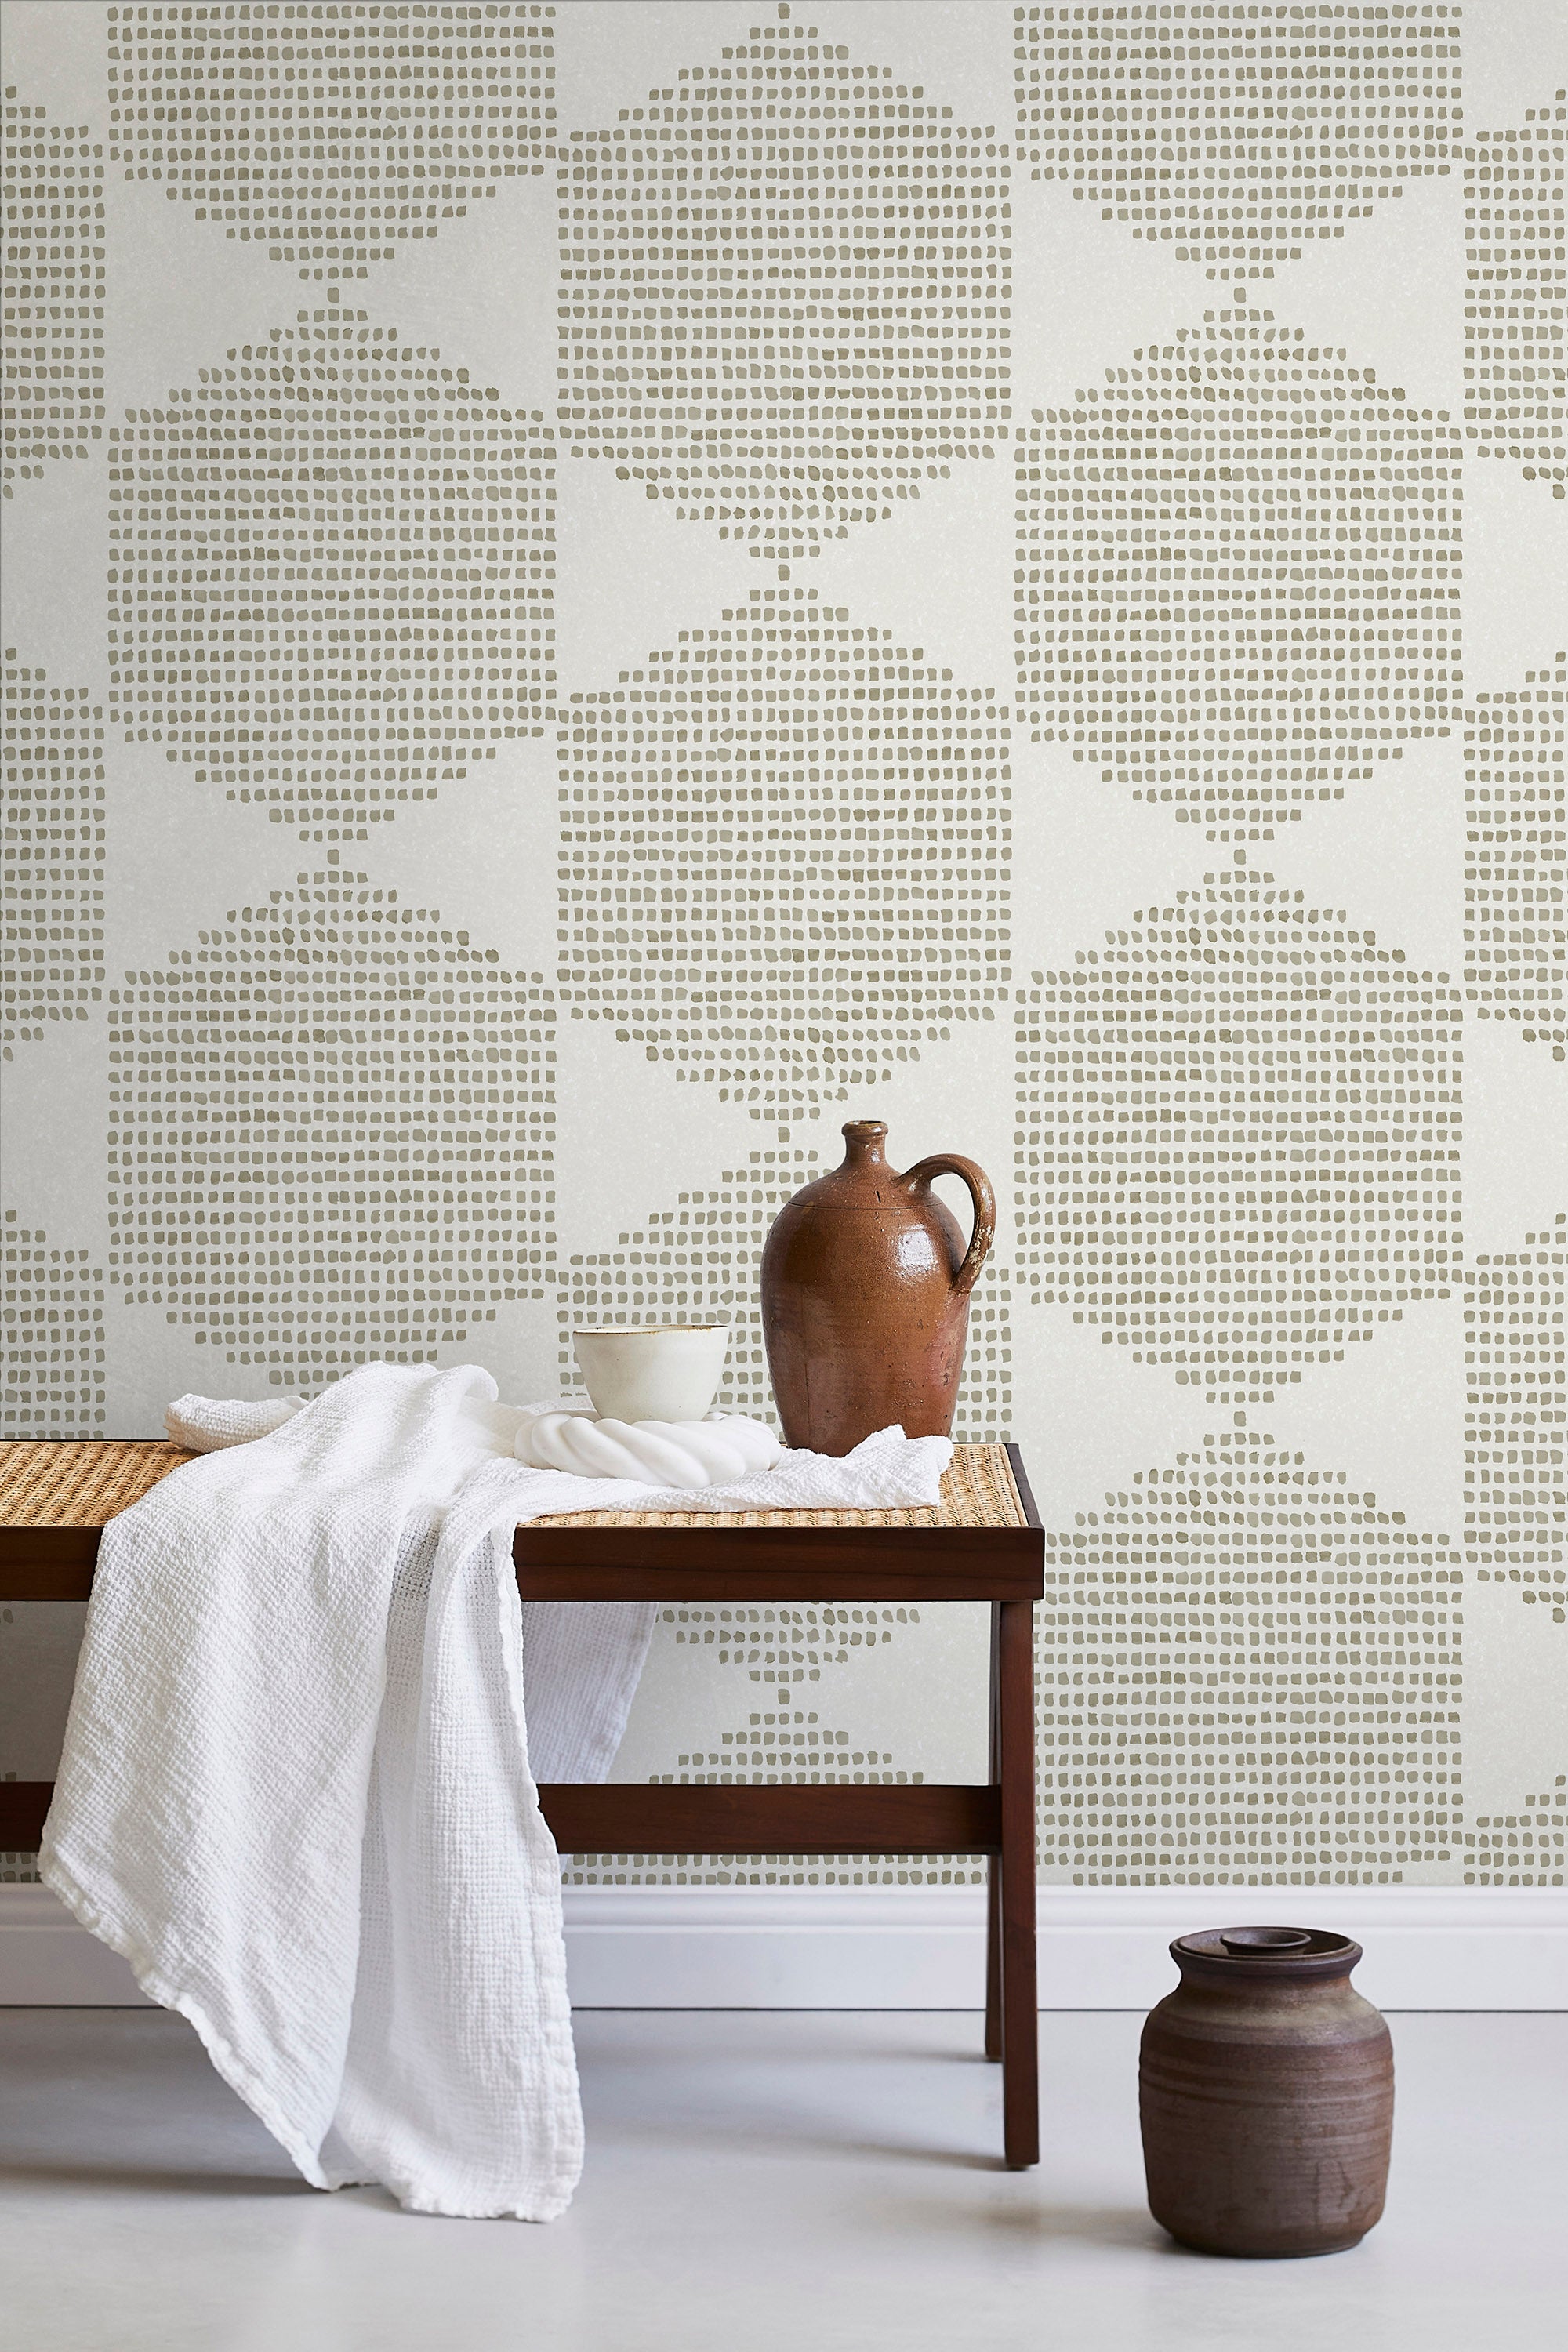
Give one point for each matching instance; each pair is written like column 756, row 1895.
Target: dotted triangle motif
column 1516, row 870
column 327, row 133
column 1239, row 1126
column 784, row 854
column 333, row 1123
column 52, row 276
column 1516, row 1518
column 55, row 1349
column 817, row 327
column 52, row 923
column 1529, row 1848
column 1516, row 283
column 1238, row 574
column 330, row 568
column 1177, row 1750
column 1234, row 135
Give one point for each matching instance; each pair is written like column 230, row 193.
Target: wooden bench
column 981, row 1543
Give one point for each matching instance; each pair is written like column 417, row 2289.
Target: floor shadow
column 775, row 2138
column 149, row 2180
column 1027, row 2222
column 882, row 2151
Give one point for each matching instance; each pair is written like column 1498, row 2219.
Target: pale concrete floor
column 820, row 2182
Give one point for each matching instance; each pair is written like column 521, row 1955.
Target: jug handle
column 947, row 1164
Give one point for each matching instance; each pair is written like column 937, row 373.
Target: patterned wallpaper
column 590, row 591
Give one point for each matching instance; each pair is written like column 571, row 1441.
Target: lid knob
column 1249, row 1942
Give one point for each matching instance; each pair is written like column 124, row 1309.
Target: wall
column 592, row 592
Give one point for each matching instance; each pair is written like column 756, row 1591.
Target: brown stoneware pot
column 1265, row 2092
column 866, row 1284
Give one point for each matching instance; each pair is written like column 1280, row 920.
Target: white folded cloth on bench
column 298, row 1789
column 206, row 1424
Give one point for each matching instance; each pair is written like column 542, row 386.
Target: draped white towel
column 297, row 1793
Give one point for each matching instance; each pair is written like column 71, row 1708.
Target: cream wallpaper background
column 592, row 591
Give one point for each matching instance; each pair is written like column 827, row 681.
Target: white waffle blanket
column 297, row 1792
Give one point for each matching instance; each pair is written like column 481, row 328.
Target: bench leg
column 994, row 1873
column 1013, row 1638
column 994, row 1961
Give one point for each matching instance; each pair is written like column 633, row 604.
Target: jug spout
column 865, row 1138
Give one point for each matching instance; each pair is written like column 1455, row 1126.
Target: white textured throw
column 297, row 1793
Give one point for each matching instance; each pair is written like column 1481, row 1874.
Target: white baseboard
column 1100, row 1947
column 924, row 1948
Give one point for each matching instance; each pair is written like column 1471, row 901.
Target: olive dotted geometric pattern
column 330, row 568
column 1238, row 574
column 51, row 273
column 329, row 131
column 17, row 1869
column 53, row 1361
column 785, row 285
column 770, row 1749
column 1248, row 1671
column 1515, row 921
column 1516, row 1422
column 783, row 1649
column 1525, row 1849
column 786, row 1648
column 333, row 1133
column 785, row 851
column 1238, row 1136
column 1516, row 284
column 1234, row 133
column 698, row 1262
column 53, row 1349
column 332, row 591
column 52, row 928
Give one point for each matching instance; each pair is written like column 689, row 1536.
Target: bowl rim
column 639, row 1330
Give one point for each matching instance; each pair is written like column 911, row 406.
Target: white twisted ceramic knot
column 655, row 1453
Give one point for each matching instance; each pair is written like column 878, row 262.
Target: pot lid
column 1270, row 1951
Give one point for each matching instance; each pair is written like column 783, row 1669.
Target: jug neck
column 864, row 1139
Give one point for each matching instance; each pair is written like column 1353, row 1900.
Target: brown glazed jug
column 866, row 1284
column 1265, row 2093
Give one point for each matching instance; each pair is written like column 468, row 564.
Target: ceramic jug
column 1266, row 2094
column 866, row 1284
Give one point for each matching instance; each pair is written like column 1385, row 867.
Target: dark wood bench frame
column 1001, row 1565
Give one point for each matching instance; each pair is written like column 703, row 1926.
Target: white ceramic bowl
column 664, row 1371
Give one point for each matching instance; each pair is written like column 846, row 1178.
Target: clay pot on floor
column 1265, row 2092
column 866, row 1284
